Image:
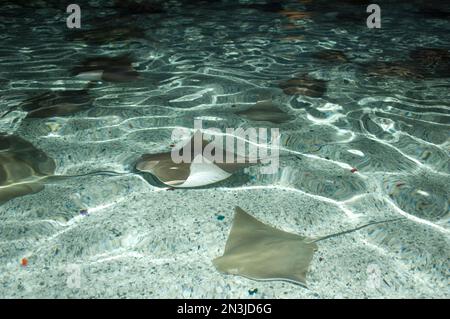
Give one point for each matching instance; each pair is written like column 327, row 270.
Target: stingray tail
column 360, row 227
column 56, row 178
column 11, row 109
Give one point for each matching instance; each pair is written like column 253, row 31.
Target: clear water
column 204, row 61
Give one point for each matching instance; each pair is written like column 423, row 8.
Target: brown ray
column 22, row 166
column 304, row 85
column 209, row 171
column 266, row 111
column 259, row 251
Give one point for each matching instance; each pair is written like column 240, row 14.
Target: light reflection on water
column 390, row 121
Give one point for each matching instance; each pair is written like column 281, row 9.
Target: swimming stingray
column 434, row 62
column 261, row 252
column 55, row 103
column 304, row 85
column 266, row 111
column 295, row 15
column 200, row 167
column 331, row 56
column 430, row 56
column 22, row 167
column 423, row 63
column 104, row 68
column 394, row 69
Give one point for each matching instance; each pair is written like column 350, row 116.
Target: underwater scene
column 224, row 149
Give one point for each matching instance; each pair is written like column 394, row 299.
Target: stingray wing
column 262, row 252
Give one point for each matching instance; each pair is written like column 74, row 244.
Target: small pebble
column 24, row 262
column 84, row 212
column 252, row 292
column 53, row 126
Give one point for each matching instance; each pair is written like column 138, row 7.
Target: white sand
column 141, row 242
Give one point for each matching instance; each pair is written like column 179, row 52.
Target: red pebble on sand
column 24, row 262
column 353, row 170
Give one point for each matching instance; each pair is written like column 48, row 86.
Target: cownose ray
column 331, row 56
column 400, row 69
column 25, row 169
column 430, row 55
column 105, row 68
column 22, row 167
column 200, row 167
column 266, row 111
column 423, row 63
column 433, row 62
column 304, row 85
column 55, row 103
column 261, row 252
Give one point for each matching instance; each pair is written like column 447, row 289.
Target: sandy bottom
column 150, row 243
